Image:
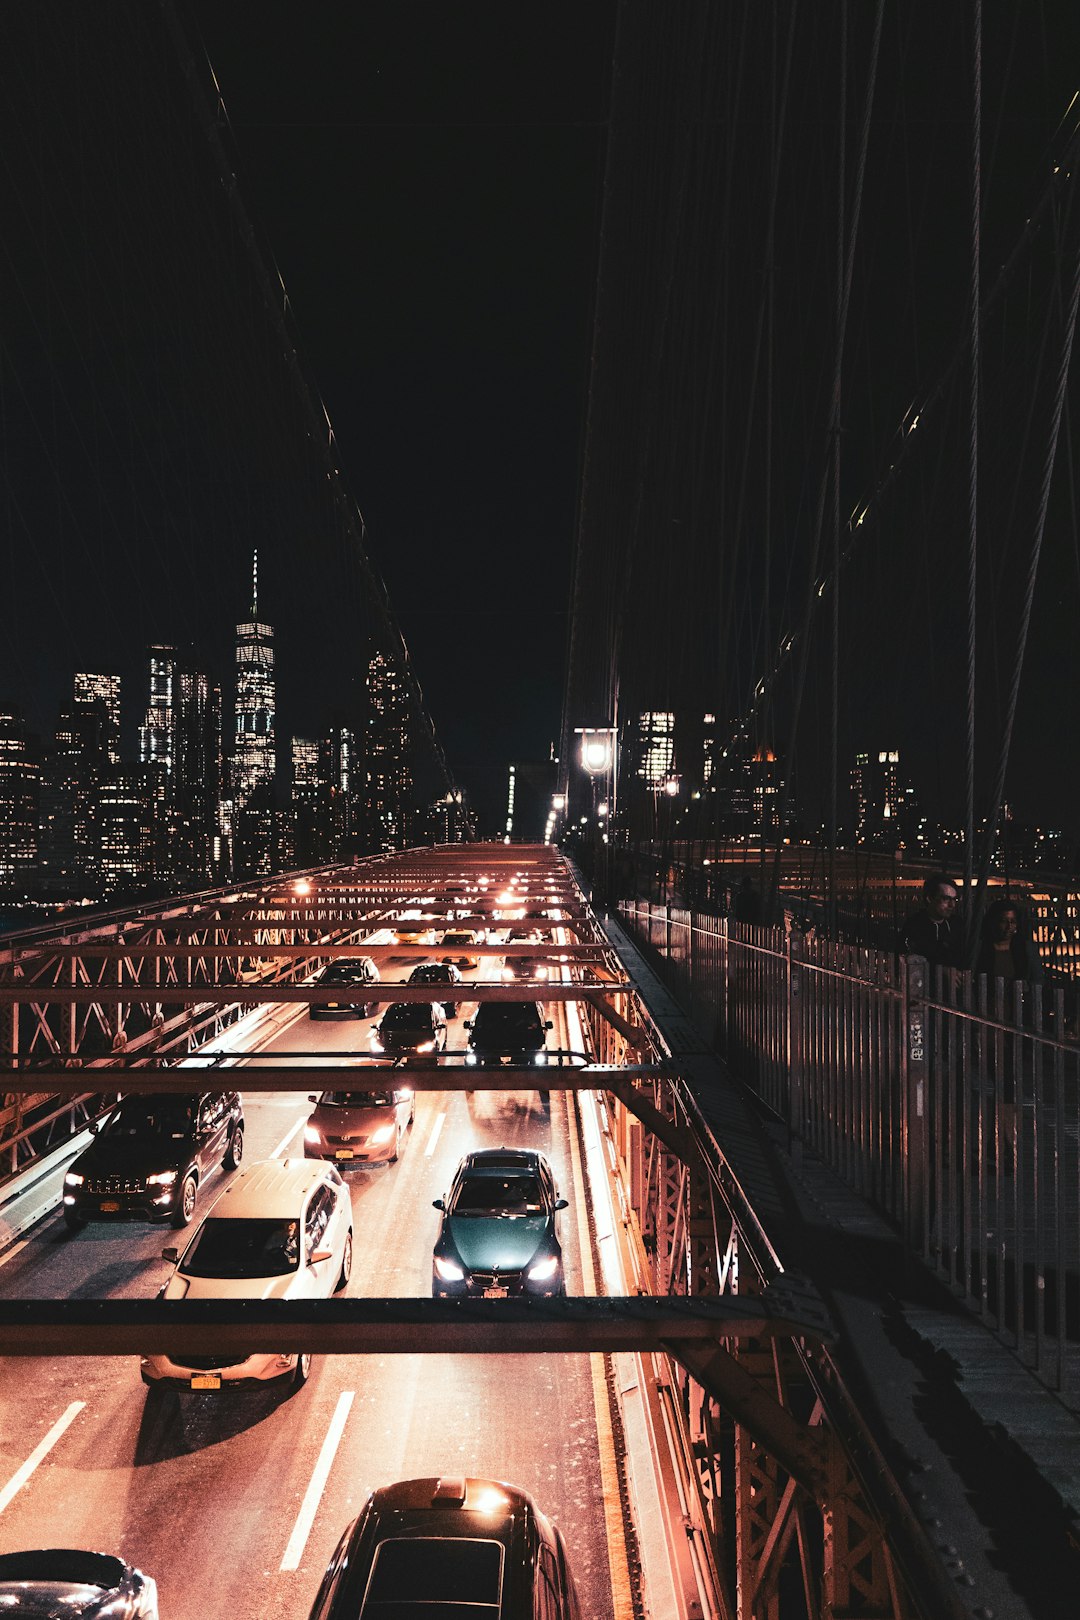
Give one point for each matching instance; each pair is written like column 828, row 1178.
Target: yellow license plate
column 205, row 1381
column 332, row 1004
column 495, row 1293
column 109, row 1206
column 344, row 1153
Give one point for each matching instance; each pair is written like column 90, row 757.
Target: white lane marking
column 434, row 1137
column 287, row 1138
column 16, row 1248
column 19, row 1479
column 309, row 1506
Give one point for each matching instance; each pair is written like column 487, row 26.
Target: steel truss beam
column 121, row 1327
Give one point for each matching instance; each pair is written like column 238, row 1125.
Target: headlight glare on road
column 72, row 1179
column 428, row 1046
column 161, row 1178
column 545, row 1269
column 449, row 1270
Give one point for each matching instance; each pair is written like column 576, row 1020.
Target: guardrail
column 950, row 1102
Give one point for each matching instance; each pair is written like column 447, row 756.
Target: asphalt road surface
column 235, row 1501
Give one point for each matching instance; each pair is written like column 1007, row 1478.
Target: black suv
column 448, row 1546
column 507, row 1032
column 343, row 979
column 151, row 1155
column 438, row 973
column 411, row 1028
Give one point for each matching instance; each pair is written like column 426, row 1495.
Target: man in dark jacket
column 933, row 931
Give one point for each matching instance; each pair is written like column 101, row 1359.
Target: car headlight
column 161, row 1178
column 540, row 1057
column 73, row 1180
column 470, row 1057
column 448, row 1270
column 383, row 1134
column 376, row 1046
column 545, row 1269
column 311, row 1134
column 428, row 1046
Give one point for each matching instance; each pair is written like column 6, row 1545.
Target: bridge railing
column 950, row 1102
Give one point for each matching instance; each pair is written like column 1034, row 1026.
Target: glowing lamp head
column 671, row 787
column 301, row 886
column 596, row 754
column 559, row 802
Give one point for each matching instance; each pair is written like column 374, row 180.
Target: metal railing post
column 916, row 1114
column 796, row 987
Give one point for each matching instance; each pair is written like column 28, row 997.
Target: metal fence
column 949, row 1101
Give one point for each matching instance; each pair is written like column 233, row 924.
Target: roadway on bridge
column 217, row 1494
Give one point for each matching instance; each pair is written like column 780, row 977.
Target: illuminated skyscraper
column 254, row 756
column 19, row 787
column 389, row 776
column 656, row 747
column 157, row 734
column 104, row 689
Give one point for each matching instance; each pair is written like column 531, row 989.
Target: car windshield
column 459, row 939
column 431, row 973
column 487, row 1194
column 343, row 973
column 506, row 1018
column 357, row 1099
column 152, row 1117
column 408, row 1015
column 243, row 1248
column 431, row 1576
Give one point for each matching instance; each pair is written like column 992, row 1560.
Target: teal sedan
column 499, row 1233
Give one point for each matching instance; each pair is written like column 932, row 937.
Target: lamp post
column 598, row 760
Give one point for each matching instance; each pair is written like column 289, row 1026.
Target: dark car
column 438, row 973
column 151, row 1155
column 345, row 979
column 411, row 1028
column 359, row 1127
column 469, row 1547
column 499, row 1232
column 83, row 1585
column 507, row 1032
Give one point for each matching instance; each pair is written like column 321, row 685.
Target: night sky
column 425, row 179
column 428, row 178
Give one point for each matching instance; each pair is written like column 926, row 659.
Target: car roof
column 273, row 1188
column 503, row 1159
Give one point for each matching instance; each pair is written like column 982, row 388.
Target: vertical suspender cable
column 830, row 897
column 973, row 450
column 819, row 516
column 1068, row 335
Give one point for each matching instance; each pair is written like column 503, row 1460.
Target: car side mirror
column 548, row 1024
column 93, row 1127
column 312, row 1097
column 438, row 1203
column 562, row 1203
column 171, row 1255
column 321, row 1254
column 467, row 1022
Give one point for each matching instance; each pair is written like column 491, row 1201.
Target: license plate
column 333, row 1004
column 495, row 1293
column 109, row 1206
column 344, row 1153
column 206, row 1381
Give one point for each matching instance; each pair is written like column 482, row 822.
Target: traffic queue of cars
column 283, row 1229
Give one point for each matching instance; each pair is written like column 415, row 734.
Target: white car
column 281, row 1230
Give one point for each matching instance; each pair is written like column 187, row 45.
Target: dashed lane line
column 435, row 1132
column 20, row 1477
column 313, row 1496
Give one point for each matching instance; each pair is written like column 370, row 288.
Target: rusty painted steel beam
column 235, row 1328
column 227, row 995
column 378, row 953
column 321, row 1076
